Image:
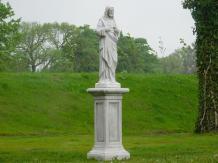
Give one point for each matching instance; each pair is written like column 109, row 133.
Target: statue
column 109, row 34
column 108, row 95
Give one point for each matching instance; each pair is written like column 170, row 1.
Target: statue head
column 109, row 12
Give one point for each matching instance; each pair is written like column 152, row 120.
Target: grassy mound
column 44, row 103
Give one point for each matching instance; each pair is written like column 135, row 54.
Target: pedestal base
column 108, row 124
column 108, row 154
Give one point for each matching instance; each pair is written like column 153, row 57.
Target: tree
column 172, row 63
column 9, row 35
column 62, row 38
column 86, row 54
column 205, row 14
column 128, row 58
column 63, row 47
column 188, row 54
column 135, row 55
column 34, row 45
column 182, row 60
column 147, row 56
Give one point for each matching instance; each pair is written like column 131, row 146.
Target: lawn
column 73, row 148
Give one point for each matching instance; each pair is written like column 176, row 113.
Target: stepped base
column 108, row 154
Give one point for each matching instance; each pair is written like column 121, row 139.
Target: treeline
column 63, row 47
column 55, row 47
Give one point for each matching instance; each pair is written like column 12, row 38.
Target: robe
column 108, row 50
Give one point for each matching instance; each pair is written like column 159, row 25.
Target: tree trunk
column 207, row 64
column 208, row 113
column 33, row 67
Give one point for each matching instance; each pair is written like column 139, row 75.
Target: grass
column 43, row 104
column 48, row 117
column 73, row 148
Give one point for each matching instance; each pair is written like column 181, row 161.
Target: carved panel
column 100, row 122
column 113, row 121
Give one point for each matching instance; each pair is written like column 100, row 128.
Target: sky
column 150, row 19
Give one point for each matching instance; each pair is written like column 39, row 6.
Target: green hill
column 44, row 103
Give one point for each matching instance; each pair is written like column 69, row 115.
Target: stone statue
column 109, row 34
column 108, row 96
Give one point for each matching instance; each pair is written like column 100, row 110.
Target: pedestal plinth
column 108, row 124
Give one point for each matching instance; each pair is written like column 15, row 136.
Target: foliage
column 63, row 47
column 34, row 45
column 135, row 55
column 62, row 38
column 205, row 14
column 9, row 36
column 86, row 58
column 180, row 61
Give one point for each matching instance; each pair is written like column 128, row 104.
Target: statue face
column 111, row 13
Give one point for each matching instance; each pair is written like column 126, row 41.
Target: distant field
column 44, row 103
column 48, row 117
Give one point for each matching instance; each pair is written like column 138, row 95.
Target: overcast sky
column 150, row 19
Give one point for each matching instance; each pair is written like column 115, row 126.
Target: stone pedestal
column 108, row 124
